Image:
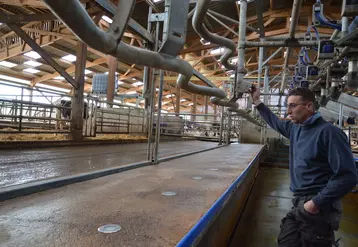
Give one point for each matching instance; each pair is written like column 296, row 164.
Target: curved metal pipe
column 80, row 23
column 202, row 7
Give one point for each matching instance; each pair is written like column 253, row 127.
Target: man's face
column 299, row 110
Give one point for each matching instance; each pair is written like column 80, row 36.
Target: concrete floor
column 70, row 215
column 270, row 201
column 23, row 166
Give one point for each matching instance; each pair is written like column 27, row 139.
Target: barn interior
column 129, row 122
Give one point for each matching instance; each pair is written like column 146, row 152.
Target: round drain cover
column 196, row 178
column 213, row 169
column 110, row 228
column 169, row 193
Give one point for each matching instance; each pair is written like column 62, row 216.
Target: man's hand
column 255, row 94
column 310, row 207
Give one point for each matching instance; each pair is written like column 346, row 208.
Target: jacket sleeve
column 281, row 126
column 340, row 159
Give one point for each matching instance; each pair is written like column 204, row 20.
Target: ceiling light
column 9, row 78
column 157, row 89
column 182, row 100
column 190, row 104
column 59, row 78
column 170, row 108
column 32, row 54
column 157, row 1
column 131, row 104
column 169, row 96
column 234, row 60
column 31, row 70
column 164, row 111
column 33, row 63
column 70, row 58
column 138, row 83
column 217, row 51
column 134, row 79
column 7, row 64
column 131, row 92
column 88, row 71
column 107, row 19
column 204, row 42
column 120, row 82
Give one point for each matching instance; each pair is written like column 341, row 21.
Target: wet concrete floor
column 270, row 201
column 23, row 166
column 70, row 215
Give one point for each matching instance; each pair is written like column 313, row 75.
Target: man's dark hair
column 305, row 93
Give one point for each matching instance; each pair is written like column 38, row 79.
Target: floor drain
column 196, row 178
column 111, row 228
column 213, row 169
column 169, row 193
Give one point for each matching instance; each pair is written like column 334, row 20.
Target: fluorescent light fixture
column 33, row 63
column 131, row 104
column 182, row 100
column 7, row 64
column 217, row 51
column 32, row 54
column 204, row 42
column 120, row 82
column 31, row 70
column 157, row 1
column 248, row 1
column 107, row 19
column 134, row 79
column 165, row 102
column 157, row 89
column 131, row 92
column 9, row 78
column 88, row 71
column 164, row 111
column 169, row 96
column 170, row 108
column 190, row 104
column 53, row 88
column 137, row 84
column 59, row 78
column 70, row 58
column 234, row 60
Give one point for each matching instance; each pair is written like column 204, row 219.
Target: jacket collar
column 312, row 119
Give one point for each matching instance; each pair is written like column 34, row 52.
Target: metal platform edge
column 209, row 231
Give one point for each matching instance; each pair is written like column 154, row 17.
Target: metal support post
column 266, row 86
column 221, row 126
column 340, row 123
column 159, row 109
column 228, row 130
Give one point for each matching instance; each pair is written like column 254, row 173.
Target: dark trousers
column 302, row 229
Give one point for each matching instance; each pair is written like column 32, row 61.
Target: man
column 322, row 171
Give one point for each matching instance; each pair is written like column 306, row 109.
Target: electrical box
column 312, row 72
column 326, row 50
column 350, row 8
column 100, row 84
